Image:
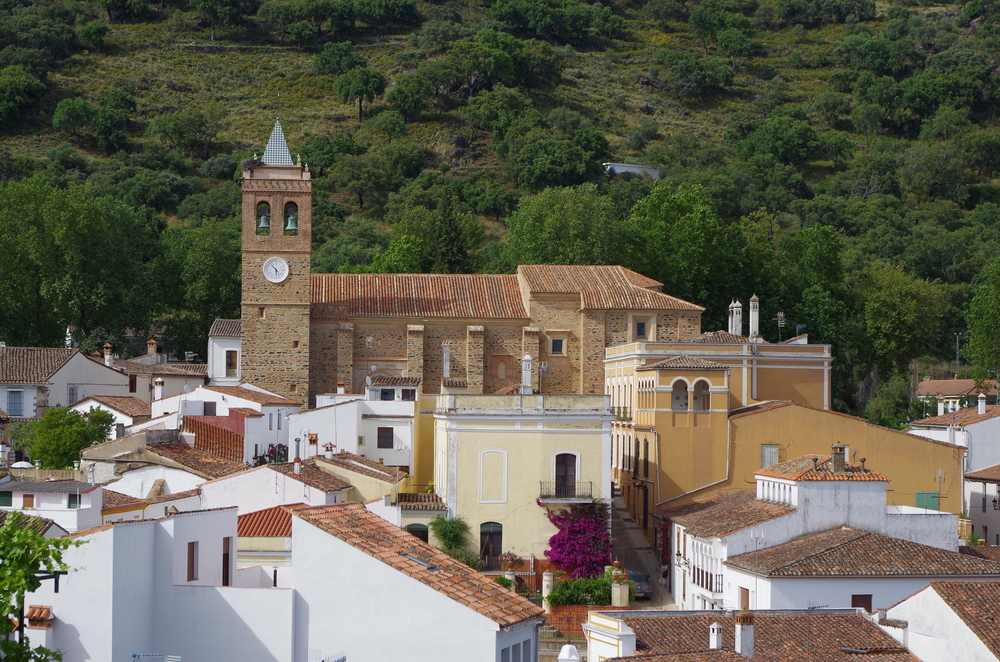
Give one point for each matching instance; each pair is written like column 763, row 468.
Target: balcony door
column 565, row 475
column 490, row 544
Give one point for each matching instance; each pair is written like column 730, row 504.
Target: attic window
column 423, row 563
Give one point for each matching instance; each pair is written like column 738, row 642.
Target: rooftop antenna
column 780, row 319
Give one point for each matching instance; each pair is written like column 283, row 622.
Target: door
column 490, row 544
column 565, row 475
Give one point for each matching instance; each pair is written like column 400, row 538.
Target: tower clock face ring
column 275, row 270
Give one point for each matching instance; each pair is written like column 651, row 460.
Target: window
column 768, row 454
column 645, row 459
column 387, row 394
column 27, row 500
column 261, row 313
column 133, row 384
column 270, row 421
column 74, row 501
column 385, row 437
column 501, row 370
column 295, row 344
column 15, row 403
column 557, row 346
column 192, row 561
column 928, row 500
column 291, row 218
column 864, row 601
column 418, row 530
column 565, row 475
column 490, row 541
column 226, row 555
column 209, row 409
column 7, row 499
column 232, row 363
column 279, row 417
column 263, row 218
column 679, row 397
column 409, row 394
column 640, row 330
column 702, row 398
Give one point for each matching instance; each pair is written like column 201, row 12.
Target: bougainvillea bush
column 582, row 546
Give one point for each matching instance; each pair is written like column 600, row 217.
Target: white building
column 42, row 525
column 224, row 340
column 794, row 501
column 70, row 504
column 127, row 410
column 273, row 485
column 948, row 621
column 358, row 589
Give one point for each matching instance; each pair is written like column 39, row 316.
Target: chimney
column 150, row 347
column 526, row 375
column 119, row 430
column 736, row 318
column 715, row 636
column 839, row 461
column 754, row 318
column 982, row 404
column 297, row 467
column 108, row 361
column 863, row 460
column 158, row 388
column 744, row 634
column 381, row 460
column 446, row 359
column 341, row 388
column 328, row 451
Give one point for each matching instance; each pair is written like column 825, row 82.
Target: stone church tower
column 277, row 240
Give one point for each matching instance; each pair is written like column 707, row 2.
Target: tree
column 837, row 146
column 303, row 31
column 364, row 175
column 867, row 119
column 582, row 546
column 218, row 11
column 17, row 86
column 360, row 85
column 389, row 122
column 27, row 555
column 452, row 534
column 58, row 437
column 831, row 106
column 983, row 347
column 92, row 34
column 338, row 58
column 410, row 95
column 789, row 139
column 72, row 115
column 734, row 43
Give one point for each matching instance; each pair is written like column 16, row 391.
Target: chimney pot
column 754, row 318
column 744, row 634
column 863, row 460
column 839, row 461
column 381, row 461
column 341, row 388
column 108, row 361
column 715, row 636
column 982, row 404
column 150, row 347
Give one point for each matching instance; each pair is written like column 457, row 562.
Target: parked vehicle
column 643, row 591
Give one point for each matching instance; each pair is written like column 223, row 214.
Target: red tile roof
column 851, row 553
column 246, row 412
column 273, row 522
column 128, row 405
column 976, row 604
column 113, row 500
column 803, row 468
column 136, row 367
column 480, row 296
column 722, row 514
column 32, row 365
column 364, row 530
column 312, row 476
column 987, row 475
column 226, row 328
column 602, row 287
column 455, row 382
column 779, row 636
column 684, row 363
column 719, row 337
column 254, row 396
column 383, row 380
column 38, row 524
column 988, row 552
column 421, row 501
column 201, row 462
column 365, row 467
column 960, row 417
column 953, row 387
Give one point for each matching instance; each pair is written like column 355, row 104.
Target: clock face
column 275, row 270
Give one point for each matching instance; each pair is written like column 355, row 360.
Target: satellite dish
column 368, row 380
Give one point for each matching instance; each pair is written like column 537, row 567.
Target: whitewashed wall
column 934, row 632
column 261, row 488
column 137, row 482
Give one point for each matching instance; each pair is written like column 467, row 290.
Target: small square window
column 640, row 330
column 7, row 499
column 385, row 438
column 74, row 501
column 387, row 394
column 210, row 409
column 409, row 394
column 557, row 346
column 132, row 383
column 261, row 313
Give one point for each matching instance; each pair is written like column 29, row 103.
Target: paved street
column 635, row 553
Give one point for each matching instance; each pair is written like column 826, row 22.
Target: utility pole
column 958, row 334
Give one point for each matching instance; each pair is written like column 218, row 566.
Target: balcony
column 707, row 580
column 561, row 492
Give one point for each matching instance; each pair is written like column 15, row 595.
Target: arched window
column 418, row 530
column 490, row 544
column 679, row 397
column 566, row 475
column 501, row 370
column 263, row 218
column 702, row 397
column 291, row 218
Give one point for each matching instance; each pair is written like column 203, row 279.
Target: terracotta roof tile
column 513, row 389
column 383, row 380
column 852, row 553
column 602, row 287
column 803, row 468
column 684, row 363
column 365, row 467
column 114, row 499
column 273, row 522
column 58, row 486
column 176, row 496
column 954, row 387
column 987, row 475
column 312, row 476
column 253, row 396
column 421, row 501
column 128, row 405
column 976, row 604
column 366, row 531
column 455, row 382
column 487, row 296
column 758, row 407
column 201, row 462
column 779, row 636
column 38, row 613
column 39, row 524
column 988, row 552
column 134, row 367
column 32, row 365
column 719, row 337
column 722, row 514
column 226, row 328
column 4, row 416
column 246, row 412
column 960, row 417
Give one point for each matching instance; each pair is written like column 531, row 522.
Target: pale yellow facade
column 496, row 458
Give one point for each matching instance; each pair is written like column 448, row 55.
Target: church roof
column 276, row 152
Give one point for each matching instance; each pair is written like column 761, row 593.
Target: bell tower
column 277, row 240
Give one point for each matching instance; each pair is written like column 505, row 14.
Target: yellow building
column 503, row 461
column 698, row 418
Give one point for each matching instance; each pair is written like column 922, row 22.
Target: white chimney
column 744, row 634
column 108, row 361
column 297, row 467
column 341, row 389
column 328, row 451
column 526, row 375
column 736, row 318
column 982, row 404
column 568, row 654
column 715, row 636
column 754, row 318
column 158, row 388
column 446, row 358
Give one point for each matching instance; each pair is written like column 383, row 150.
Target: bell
column 265, row 222
column 292, row 223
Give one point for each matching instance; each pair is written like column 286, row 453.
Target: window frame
column 380, row 442
column 192, row 561
column 73, row 501
column 391, row 392
column 557, row 346
column 232, row 367
column 11, row 411
column 133, row 383
column 6, row 499
column 409, row 395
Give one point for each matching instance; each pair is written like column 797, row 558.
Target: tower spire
column 276, row 152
